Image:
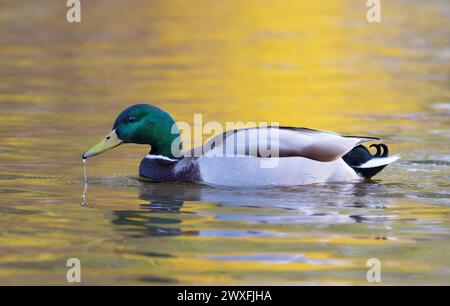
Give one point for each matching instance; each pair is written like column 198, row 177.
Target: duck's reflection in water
column 162, row 213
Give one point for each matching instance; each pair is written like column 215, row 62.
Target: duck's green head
column 142, row 124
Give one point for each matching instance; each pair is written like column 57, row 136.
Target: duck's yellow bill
column 109, row 142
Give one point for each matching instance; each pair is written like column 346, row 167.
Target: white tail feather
column 379, row 161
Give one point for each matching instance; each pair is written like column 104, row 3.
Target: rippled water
column 303, row 63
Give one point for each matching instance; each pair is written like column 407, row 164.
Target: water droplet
column 83, row 203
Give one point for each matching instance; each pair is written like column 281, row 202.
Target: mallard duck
column 304, row 156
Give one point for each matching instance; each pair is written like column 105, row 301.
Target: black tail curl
column 382, row 150
column 360, row 155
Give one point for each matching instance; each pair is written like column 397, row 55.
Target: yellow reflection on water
column 317, row 64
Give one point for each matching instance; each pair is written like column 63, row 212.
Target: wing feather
column 281, row 142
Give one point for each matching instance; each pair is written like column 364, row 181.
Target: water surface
column 302, row 63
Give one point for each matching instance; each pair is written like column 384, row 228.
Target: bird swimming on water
column 304, row 156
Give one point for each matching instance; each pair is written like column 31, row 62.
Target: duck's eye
column 131, row 119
